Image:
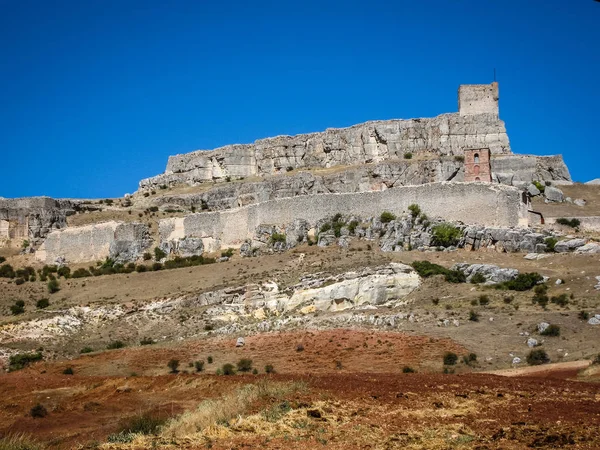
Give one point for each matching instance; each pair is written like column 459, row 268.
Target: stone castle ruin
column 457, row 166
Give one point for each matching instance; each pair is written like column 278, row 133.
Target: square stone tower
column 477, row 165
column 476, row 99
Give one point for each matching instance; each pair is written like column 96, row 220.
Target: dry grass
column 18, row 442
column 220, row 411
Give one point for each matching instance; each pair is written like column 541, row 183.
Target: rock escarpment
column 370, row 142
column 33, row 218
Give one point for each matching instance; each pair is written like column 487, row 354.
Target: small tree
column 199, row 365
column 42, row 303
column 173, row 365
column 387, row 217
column 18, row 308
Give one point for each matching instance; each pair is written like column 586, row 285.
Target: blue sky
column 95, row 95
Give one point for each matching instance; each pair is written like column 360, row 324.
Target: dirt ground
column 369, row 403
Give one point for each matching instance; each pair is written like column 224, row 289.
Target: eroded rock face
column 493, row 274
column 122, row 242
column 370, row 142
column 34, row 218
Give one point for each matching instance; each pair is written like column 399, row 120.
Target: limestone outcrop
column 122, row 242
column 33, row 218
column 370, row 142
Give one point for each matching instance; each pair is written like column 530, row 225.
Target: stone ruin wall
column 476, row 99
column 32, row 218
column 121, row 241
column 484, row 204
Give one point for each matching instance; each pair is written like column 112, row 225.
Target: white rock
column 535, row 256
column 240, row 342
column 531, row 342
column 516, row 360
column 542, row 326
column 589, row 248
column 557, row 282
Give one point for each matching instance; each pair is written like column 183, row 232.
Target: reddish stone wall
column 477, row 165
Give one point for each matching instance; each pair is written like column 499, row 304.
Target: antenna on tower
column 494, row 74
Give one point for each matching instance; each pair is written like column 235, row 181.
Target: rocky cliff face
column 35, row 217
column 370, row 142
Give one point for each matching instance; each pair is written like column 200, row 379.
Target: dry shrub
column 18, row 442
column 220, row 411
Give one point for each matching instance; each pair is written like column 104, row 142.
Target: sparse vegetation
column 278, row 237
column 550, row 243
column 146, row 341
column 551, row 330
column 199, row 366
column 38, row 411
column 560, row 300
column 540, row 187
column 115, row 345
column 573, row 223
column 446, row 235
column 473, row 316
column 269, row 368
column 42, row 303
column 478, row 278
column 17, row 308
column 86, row 350
column 450, row 358
column 537, row 357
column 228, row 369
column 244, row 365
column 173, row 364
column 484, row 300
column 427, row 269
column 408, row 369
column 523, row 282
column 227, row 253
column 414, row 210
column 53, row 286
column 159, row 254
column 408, row 155
column 22, row 360
column 68, row 371
column 387, row 217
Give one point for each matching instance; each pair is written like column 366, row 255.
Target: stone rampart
column 120, row 241
column 475, row 203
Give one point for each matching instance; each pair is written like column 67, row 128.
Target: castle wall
column 120, row 241
column 484, row 204
column 476, row 99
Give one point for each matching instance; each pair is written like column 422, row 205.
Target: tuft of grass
column 18, row 442
column 221, row 410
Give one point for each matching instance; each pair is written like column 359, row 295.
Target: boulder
column 240, row 342
column 542, row 326
column 594, row 320
column 190, row 246
column 595, row 181
column 516, row 360
column 589, row 248
column 568, row 245
column 533, row 190
column 531, row 342
column 579, row 202
column 553, row 194
column 493, row 274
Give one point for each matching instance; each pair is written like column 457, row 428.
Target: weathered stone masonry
column 484, row 204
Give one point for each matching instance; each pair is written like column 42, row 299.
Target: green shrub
column 539, row 186
column 209, row 360
column 583, row 315
column 6, row 271
column 560, row 300
column 446, row 235
column 537, row 357
column 459, row 158
column 551, row 330
column 2, row 259
column 408, row 155
column 407, row 369
column 64, row 272
column 19, row 281
column 387, row 217
column 68, row 371
column 147, row 256
column 142, row 424
column 159, row 254
column 86, row 350
column 115, row 345
column 478, row 278
column 227, row 253
column 450, row 358
column 173, row 365
column 18, row 308
column 596, row 360
column 550, row 243
column 244, row 365
column 484, row 300
column 473, row 316
column 141, row 268
column 269, row 368
column 199, row 366
column 157, row 266
column 523, row 282
column 427, row 269
column 414, row 210
column 21, row 360
column 278, row 237
column 325, row 227
column 573, row 223
column 42, row 303
column 53, row 286
column 228, row 369
column 81, row 273
column 38, row 411
column 147, row 341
